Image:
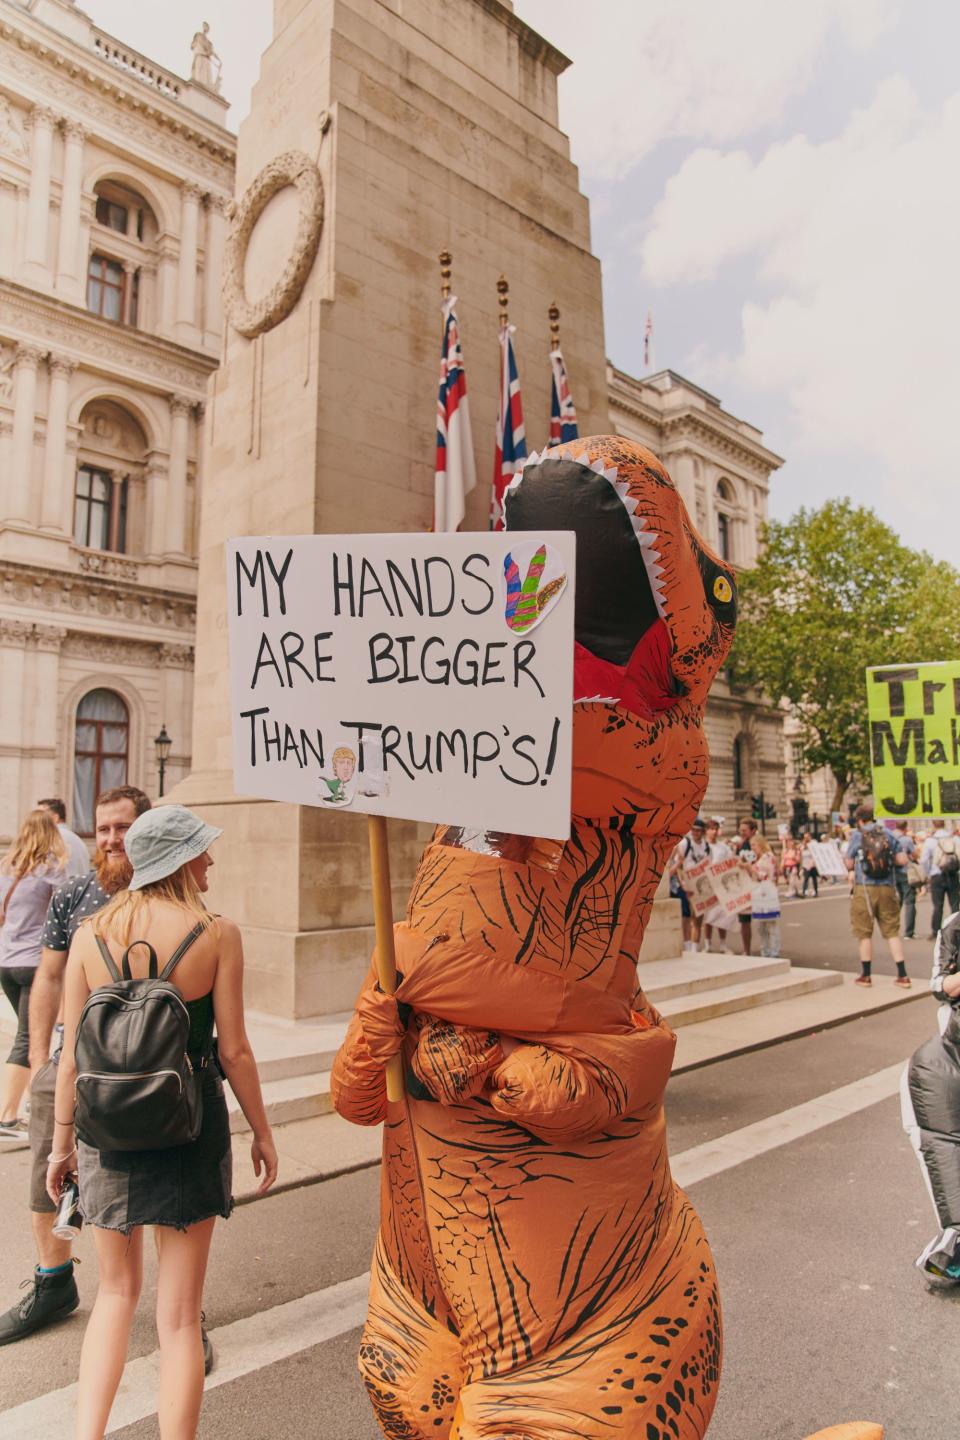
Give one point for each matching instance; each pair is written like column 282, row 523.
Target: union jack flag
column 455, row 474
column 563, row 417
column 511, row 438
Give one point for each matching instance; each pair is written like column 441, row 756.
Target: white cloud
column 855, row 315
column 653, row 69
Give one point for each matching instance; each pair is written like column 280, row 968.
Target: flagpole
column 446, row 261
column 503, row 300
column 553, row 315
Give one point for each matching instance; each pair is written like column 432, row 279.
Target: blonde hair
column 38, row 842
column 342, row 752
column 122, row 915
column 761, row 845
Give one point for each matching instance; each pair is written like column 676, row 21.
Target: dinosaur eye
column 722, row 590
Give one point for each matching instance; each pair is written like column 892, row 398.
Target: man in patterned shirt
column 53, row 1291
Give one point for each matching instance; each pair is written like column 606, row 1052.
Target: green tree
column 835, row 591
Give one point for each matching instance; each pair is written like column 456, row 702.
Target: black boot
column 48, row 1298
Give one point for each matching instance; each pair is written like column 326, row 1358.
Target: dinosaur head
column 654, row 618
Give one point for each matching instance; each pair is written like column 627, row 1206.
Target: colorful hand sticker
column 526, row 602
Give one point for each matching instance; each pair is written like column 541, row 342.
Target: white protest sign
column 700, row 888
column 828, row 859
column 733, row 884
column 428, row 677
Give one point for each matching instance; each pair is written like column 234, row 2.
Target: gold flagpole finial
column 503, row 293
column 553, row 314
column 446, row 260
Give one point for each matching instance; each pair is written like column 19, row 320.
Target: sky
column 776, row 183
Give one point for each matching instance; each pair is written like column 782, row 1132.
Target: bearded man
column 52, row 1293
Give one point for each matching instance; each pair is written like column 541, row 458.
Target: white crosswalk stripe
column 271, row 1335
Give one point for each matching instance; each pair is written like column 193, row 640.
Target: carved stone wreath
column 292, row 168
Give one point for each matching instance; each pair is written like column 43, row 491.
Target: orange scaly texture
column 537, row 1273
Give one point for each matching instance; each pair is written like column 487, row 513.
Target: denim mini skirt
column 177, row 1186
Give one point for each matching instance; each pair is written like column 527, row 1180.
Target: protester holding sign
column 692, row 851
column 718, row 921
column 872, row 858
column 532, row 1242
column 765, row 899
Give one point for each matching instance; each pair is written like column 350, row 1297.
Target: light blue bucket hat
column 161, row 840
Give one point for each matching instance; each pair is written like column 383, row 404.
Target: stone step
column 294, row 1097
column 729, row 999
column 692, row 972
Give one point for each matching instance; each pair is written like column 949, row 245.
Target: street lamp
column 162, row 743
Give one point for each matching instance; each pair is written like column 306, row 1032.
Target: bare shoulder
column 229, row 931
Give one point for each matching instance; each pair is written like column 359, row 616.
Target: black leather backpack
column 136, row 1087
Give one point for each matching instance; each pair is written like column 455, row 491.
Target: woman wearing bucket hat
column 180, row 1188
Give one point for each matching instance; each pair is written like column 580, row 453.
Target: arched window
column 100, row 753
column 723, row 536
column 123, row 241
column 109, row 499
column 724, row 501
column 738, row 764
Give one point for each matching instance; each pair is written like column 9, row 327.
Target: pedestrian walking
column 180, row 1187
column 811, row 875
column 940, row 865
column 30, row 871
column 909, row 878
column 51, row 1293
column 872, row 858
column 765, row 899
column 691, row 851
column 78, row 856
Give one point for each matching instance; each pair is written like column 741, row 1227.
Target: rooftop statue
column 202, row 71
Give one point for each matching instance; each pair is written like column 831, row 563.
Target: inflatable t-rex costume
column 537, row 1272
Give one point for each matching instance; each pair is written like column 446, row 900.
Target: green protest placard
column 914, row 714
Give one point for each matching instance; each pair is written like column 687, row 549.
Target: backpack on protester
column 136, row 1087
column 877, row 853
column 947, row 861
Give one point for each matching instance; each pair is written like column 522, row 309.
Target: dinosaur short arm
column 358, row 1079
column 563, row 1097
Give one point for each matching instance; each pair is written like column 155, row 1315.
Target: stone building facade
column 115, row 176
column 722, row 469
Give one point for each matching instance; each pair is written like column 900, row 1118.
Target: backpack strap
column 152, row 972
column 182, row 949
column 109, row 961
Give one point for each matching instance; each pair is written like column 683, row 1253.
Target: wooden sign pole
column 383, row 917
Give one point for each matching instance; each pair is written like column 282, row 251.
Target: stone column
column 24, row 418
column 155, row 484
column 147, row 312
column 129, row 272
column 213, row 267
column 8, row 225
column 13, row 657
column 177, row 482
column 165, row 309
column 56, row 504
column 42, row 121
column 187, row 271
column 69, row 272
column 117, row 479
column 41, row 712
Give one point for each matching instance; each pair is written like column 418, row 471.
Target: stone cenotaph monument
column 381, row 132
